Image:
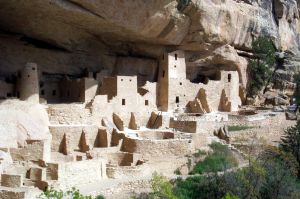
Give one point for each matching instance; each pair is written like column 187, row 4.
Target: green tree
column 290, row 142
column 260, row 66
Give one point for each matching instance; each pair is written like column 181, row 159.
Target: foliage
column 59, row 194
column 239, row 128
column 290, row 143
column 271, row 175
column 230, row 196
column 204, row 187
column 220, row 160
column 260, row 67
column 281, row 173
column 161, row 187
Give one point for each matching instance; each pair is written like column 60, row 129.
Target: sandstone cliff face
column 66, row 36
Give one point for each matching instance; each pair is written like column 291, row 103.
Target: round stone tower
column 29, row 83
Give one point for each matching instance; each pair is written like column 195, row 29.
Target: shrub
column 239, row 128
column 230, row 196
column 161, row 187
column 59, row 194
column 221, row 159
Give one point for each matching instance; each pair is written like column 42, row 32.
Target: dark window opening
column 121, row 80
column 42, row 92
column 177, row 99
column 180, row 83
column 8, row 95
column 53, row 92
column 130, row 80
column 146, row 102
column 28, row 75
column 123, row 102
column 33, row 68
column 229, row 77
column 174, row 66
column 175, row 56
column 163, row 75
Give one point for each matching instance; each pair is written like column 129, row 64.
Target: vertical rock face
column 67, row 36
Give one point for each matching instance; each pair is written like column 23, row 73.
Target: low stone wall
column 121, row 172
column 117, row 158
column 157, row 148
column 33, row 150
column 69, row 114
column 72, row 174
column 184, row 126
column 156, row 135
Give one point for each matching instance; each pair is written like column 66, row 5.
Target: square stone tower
column 172, row 75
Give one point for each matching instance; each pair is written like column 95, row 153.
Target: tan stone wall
column 175, row 91
column 34, row 150
column 184, row 126
column 156, row 135
column 10, row 180
column 72, row 174
column 156, row 148
column 70, row 114
column 124, row 172
column 66, row 139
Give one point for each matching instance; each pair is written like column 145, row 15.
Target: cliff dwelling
column 100, row 95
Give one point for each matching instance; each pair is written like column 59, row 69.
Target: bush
column 260, row 67
column 221, row 159
column 239, row 128
column 59, row 194
column 161, row 187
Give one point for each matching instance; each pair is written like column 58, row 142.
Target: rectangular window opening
column 146, row 102
column 123, row 102
column 177, row 99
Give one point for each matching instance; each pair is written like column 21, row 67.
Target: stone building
column 28, row 83
column 176, row 91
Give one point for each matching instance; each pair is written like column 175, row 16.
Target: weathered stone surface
column 21, row 121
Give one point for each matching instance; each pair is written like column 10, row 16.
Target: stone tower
column 28, row 83
column 172, row 75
